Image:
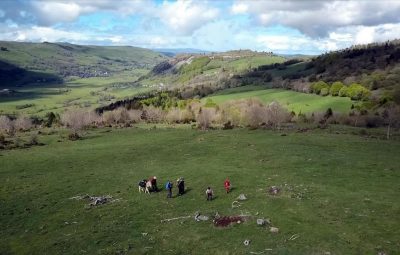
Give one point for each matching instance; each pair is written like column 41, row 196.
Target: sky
column 280, row 26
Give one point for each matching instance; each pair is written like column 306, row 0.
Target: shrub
column 255, row 114
column 328, row 113
column 75, row 120
column 2, row 139
column 153, row 114
column 277, row 114
column 135, row 116
column 108, row 118
column 358, row 92
column 33, row 140
column 6, row 125
column 324, row 92
column 18, row 143
column 73, row 136
column 316, row 87
column 121, row 115
column 343, row 91
column 173, row 115
column 210, row 103
column 335, row 88
column 205, row 117
column 51, row 119
column 23, row 123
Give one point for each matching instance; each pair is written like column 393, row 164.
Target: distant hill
column 206, row 70
column 376, row 67
column 49, row 62
column 170, row 52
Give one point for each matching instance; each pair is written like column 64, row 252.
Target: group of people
column 210, row 192
column 180, row 183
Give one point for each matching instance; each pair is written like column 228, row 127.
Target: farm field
column 88, row 92
column 339, row 193
column 292, row 100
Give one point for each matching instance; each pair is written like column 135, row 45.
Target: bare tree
column 173, row 116
column 75, row 120
column 392, row 118
column 205, row 117
column 153, row 114
column 256, row 113
column 6, row 125
column 108, row 118
column 23, row 123
column 121, row 115
column 277, row 114
column 135, row 116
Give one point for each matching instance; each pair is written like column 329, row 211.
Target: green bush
column 343, row 91
column 316, row 87
column 210, row 103
column 358, row 92
column 324, row 92
column 335, row 88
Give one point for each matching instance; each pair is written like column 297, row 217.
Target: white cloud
column 365, row 35
column 319, row 18
column 239, row 8
column 185, row 16
column 50, row 12
column 181, row 16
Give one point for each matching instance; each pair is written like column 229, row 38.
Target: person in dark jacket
column 209, row 194
column 181, row 186
column 153, row 181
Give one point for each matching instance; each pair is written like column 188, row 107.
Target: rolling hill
column 39, row 63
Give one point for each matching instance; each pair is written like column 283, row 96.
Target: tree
column 256, row 114
column 343, row 91
column 324, row 92
column 277, row 114
column 23, row 123
column 316, row 87
column 335, row 88
column 51, row 118
column 6, row 125
column 205, row 117
column 75, row 120
column 358, row 92
column 392, row 118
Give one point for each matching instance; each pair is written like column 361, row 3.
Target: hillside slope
column 375, row 68
column 31, row 63
column 205, row 71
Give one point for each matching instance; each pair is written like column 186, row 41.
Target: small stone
column 242, row 197
column 273, row 230
column 260, row 222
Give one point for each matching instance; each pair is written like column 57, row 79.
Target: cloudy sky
column 281, row 26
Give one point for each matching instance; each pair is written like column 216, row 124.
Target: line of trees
column 355, row 90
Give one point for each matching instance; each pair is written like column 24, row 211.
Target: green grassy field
column 340, row 193
column 80, row 92
column 293, row 101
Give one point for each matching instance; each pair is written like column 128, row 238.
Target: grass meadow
column 293, row 101
column 339, row 193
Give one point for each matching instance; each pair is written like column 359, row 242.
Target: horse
column 149, row 186
column 143, row 186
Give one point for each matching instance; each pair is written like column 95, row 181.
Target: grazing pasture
column 292, row 100
column 338, row 193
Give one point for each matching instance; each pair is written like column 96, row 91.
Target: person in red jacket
column 227, row 185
